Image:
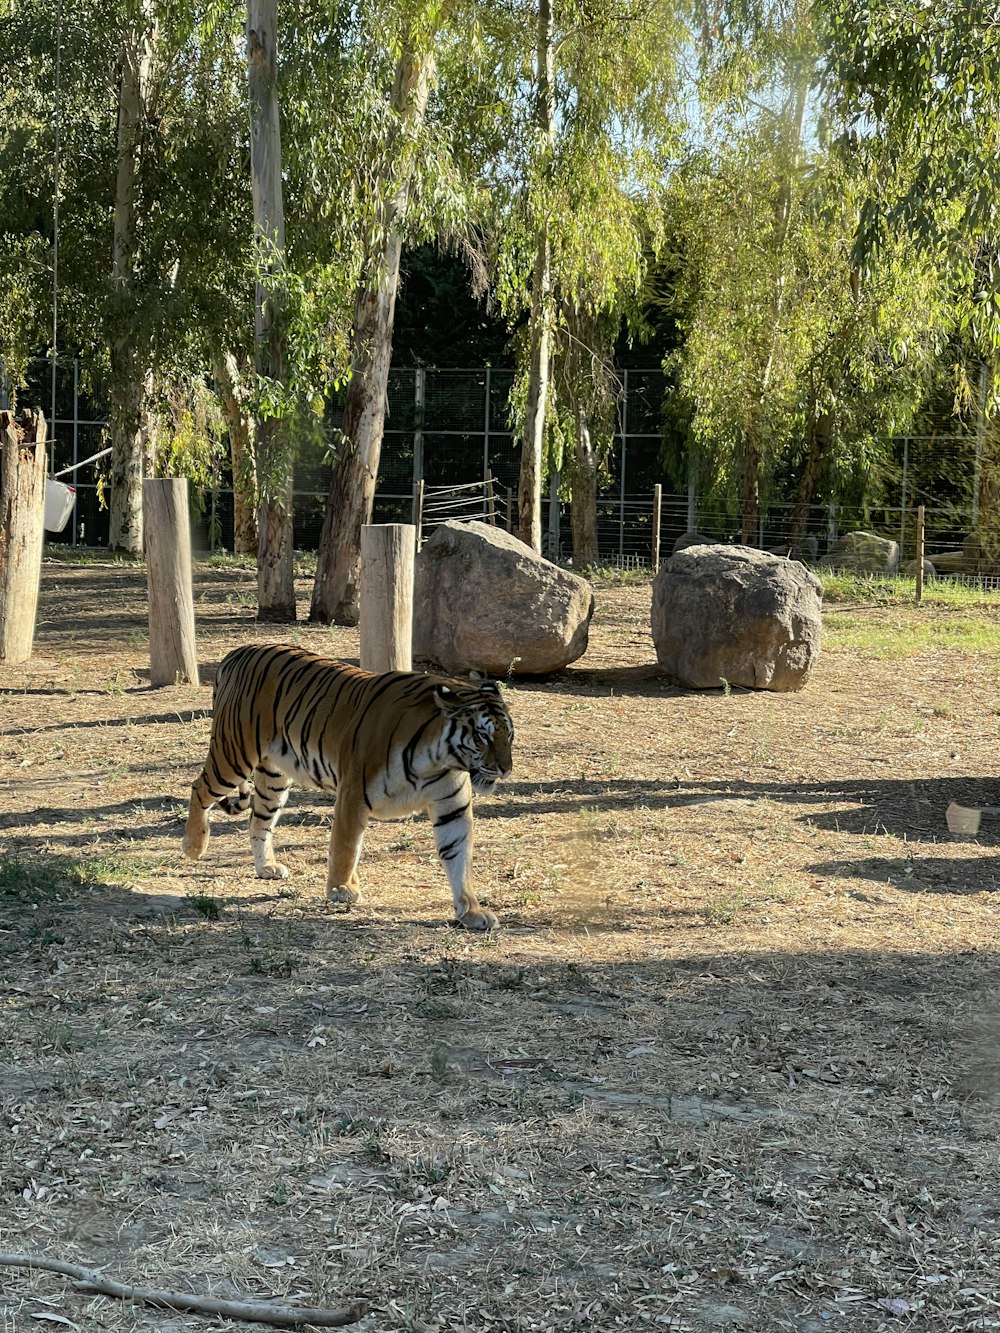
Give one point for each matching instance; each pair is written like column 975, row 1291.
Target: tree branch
column 279, row 1316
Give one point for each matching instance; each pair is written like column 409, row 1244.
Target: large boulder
column 735, row 615
column 863, row 553
column 691, row 538
column 483, row 601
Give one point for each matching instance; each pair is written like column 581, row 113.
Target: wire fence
column 448, row 431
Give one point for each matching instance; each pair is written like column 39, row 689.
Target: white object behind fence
column 59, row 502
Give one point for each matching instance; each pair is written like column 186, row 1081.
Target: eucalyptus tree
column 139, row 141
column 815, row 386
column 275, row 570
column 387, row 175
column 795, row 355
column 583, row 422
column 595, row 116
column 918, row 89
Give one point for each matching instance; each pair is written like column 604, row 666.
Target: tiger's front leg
column 270, row 792
column 453, row 839
column 350, row 819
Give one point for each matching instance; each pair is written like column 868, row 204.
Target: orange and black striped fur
column 388, row 745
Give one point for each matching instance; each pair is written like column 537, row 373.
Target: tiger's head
column 479, row 730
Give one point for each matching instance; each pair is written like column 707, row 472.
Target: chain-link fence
column 451, row 428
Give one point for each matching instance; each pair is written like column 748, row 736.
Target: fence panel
column 453, row 427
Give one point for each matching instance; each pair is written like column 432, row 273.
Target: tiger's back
column 387, row 744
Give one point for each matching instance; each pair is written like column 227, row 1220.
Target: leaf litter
column 731, row 1061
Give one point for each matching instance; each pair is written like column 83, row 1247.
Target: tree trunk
column 352, row 486
column 783, row 209
column 583, row 508
column 275, row 550
column 820, row 437
column 231, row 383
column 750, row 502
column 529, row 489
column 22, row 505
column 128, row 352
column 987, row 532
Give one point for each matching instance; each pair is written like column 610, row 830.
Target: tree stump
column 22, row 507
column 173, row 654
column 386, row 596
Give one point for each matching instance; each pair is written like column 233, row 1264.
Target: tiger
column 387, row 744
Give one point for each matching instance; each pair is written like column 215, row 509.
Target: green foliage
column 917, row 89
column 784, row 338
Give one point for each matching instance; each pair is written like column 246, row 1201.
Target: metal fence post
column 76, row 441
column 486, row 430
column 692, row 519
column 980, row 439
column 554, row 515
column 902, row 498
column 657, row 511
column 621, row 498
column 419, row 409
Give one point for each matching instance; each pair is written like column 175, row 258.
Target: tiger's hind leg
column 226, row 790
column 270, row 792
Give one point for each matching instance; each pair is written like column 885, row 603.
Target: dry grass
column 732, row 1061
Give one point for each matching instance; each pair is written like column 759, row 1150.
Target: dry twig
column 279, row 1316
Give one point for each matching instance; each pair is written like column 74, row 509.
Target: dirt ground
column 731, row 1061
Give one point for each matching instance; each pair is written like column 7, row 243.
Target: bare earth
column 732, row 1060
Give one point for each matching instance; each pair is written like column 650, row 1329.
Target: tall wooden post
column 173, row 655
column 22, row 505
column 386, row 596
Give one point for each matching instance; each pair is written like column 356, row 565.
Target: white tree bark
column 128, row 356
column 529, row 490
column 275, row 550
column 352, row 489
column 231, row 382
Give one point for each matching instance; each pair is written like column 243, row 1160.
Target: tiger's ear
column 484, row 682
column 444, row 695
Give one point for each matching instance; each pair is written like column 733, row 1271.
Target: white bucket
column 59, row 501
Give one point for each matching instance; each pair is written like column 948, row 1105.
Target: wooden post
column 657, row 506
column 418, row 510
column 173, row 655
column 386, row 596
column 510, row 510
column 22, row 506
column 920, row 553
column 491, row 508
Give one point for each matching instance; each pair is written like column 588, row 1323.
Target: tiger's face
column 481, row 732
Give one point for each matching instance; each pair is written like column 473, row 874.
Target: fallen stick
column 279, row 1316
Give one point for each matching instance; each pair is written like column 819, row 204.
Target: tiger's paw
column 342, row 893
column 477, row 918
column 273, row 871
column 195, row 842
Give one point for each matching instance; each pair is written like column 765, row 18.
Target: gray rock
column 864, row 553
column 737, row 615
column 805, row 549
column 483, row 601
column 691, row 538
column 910, row 569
